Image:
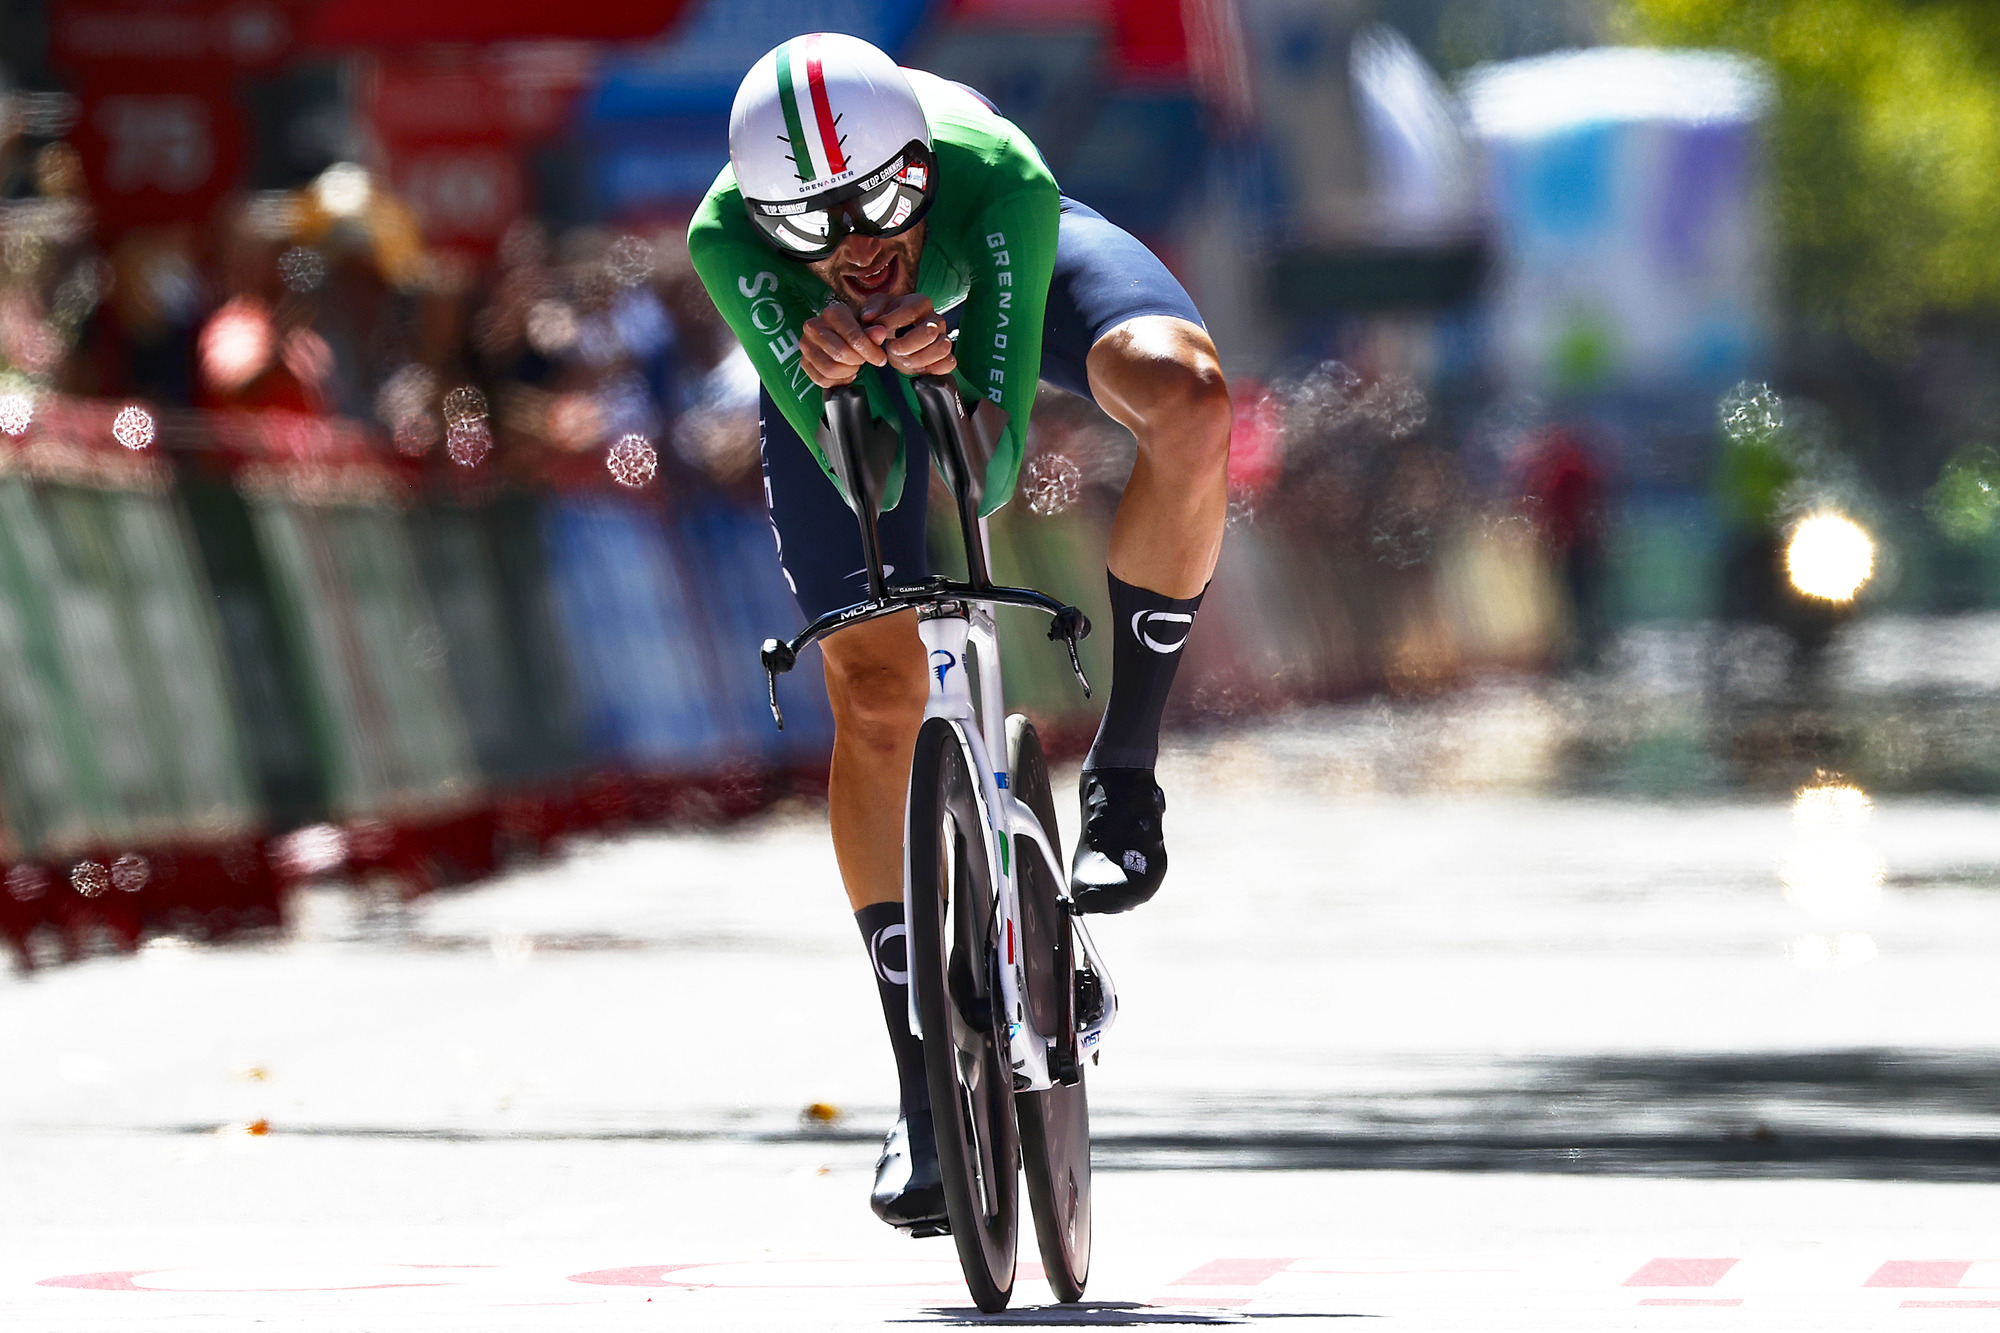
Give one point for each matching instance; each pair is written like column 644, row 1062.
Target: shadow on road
column 1855, row 1114
column 1840, row 1114
column 1103, row 1314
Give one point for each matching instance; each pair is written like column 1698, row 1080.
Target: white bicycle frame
column 982, row 732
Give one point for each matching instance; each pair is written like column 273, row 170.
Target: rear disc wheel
column 1055, row 1123
column 953, row 965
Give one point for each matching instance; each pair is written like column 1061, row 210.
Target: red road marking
column 1951, row 1305
column 1919, row 1273
column 648, row 1275
column 1689, row 1300
column 125, row 1280
column 1198, row 1302
column 1233, row 1273
column 95, row 1282
column 658, row 1275
column 1680, row 1273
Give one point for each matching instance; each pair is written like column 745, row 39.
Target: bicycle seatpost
column 944, row 422
column 849, row 438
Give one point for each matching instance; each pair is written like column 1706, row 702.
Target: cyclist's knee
column 876, row 683
column 1161, row 379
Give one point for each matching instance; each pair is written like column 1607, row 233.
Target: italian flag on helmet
column 818, row 113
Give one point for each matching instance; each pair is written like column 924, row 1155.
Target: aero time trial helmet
column 827, row 137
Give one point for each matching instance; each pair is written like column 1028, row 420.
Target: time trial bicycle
column 1006, row 989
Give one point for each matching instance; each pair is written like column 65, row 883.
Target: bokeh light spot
column 133, row 427
column 464, row 404
column 27, row 883
column 1830, row 556
column 89, row 879
column 302, row 269
column 632, row 461
column 236, row 345
column 343, row 189
column 17, row 411
column 130, row 873
column 1053, row 484
column 468, row 442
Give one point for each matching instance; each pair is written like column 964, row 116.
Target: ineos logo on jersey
column 767, row 316
column 1142, row 620
column 878, row 950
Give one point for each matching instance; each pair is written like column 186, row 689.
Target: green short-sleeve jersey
column 990, row 246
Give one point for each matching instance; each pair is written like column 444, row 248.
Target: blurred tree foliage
column 1886, row 148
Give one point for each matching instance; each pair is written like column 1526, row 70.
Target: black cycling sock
column 889, row 957
column 1147, row 632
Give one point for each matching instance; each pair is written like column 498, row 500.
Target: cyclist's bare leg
column 1158, row 377
column 876, row 683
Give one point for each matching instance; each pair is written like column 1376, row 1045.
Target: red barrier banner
column 409, row 22
column 161, row 133
column 453, row 124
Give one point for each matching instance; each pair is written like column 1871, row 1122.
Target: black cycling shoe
column 909, row 1188
column 1122, row 857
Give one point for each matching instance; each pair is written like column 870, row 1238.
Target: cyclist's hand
column 833, row 347
column 913, row 334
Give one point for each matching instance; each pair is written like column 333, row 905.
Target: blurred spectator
column 1562, row 492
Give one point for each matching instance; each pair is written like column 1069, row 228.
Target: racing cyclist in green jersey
column 863, row 205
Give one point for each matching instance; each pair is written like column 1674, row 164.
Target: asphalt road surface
column 1476, row 1059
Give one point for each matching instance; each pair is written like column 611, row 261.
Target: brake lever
column 778, row 658
column 1070, row 625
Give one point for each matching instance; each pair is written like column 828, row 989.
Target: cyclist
column 861, row 203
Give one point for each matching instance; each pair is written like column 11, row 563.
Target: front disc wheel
column 953, row 965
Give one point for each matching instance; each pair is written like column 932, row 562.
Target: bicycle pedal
column 1090, row 998
column 926, row 1230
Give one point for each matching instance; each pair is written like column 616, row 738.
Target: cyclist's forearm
column 1000, row 338
column 767, row 315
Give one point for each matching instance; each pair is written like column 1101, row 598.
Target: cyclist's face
column 865, row 267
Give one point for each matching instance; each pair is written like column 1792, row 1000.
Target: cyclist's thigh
column 1104, row 276
column 819, row 541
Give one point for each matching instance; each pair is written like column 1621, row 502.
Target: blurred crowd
column 566, row 359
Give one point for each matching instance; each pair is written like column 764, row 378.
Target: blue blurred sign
column 657, row 123
column 700, row 69
column 649, row 165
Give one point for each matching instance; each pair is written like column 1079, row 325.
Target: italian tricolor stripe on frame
column 808, row 114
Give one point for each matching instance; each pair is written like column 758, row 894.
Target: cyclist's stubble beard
column 861, row 256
